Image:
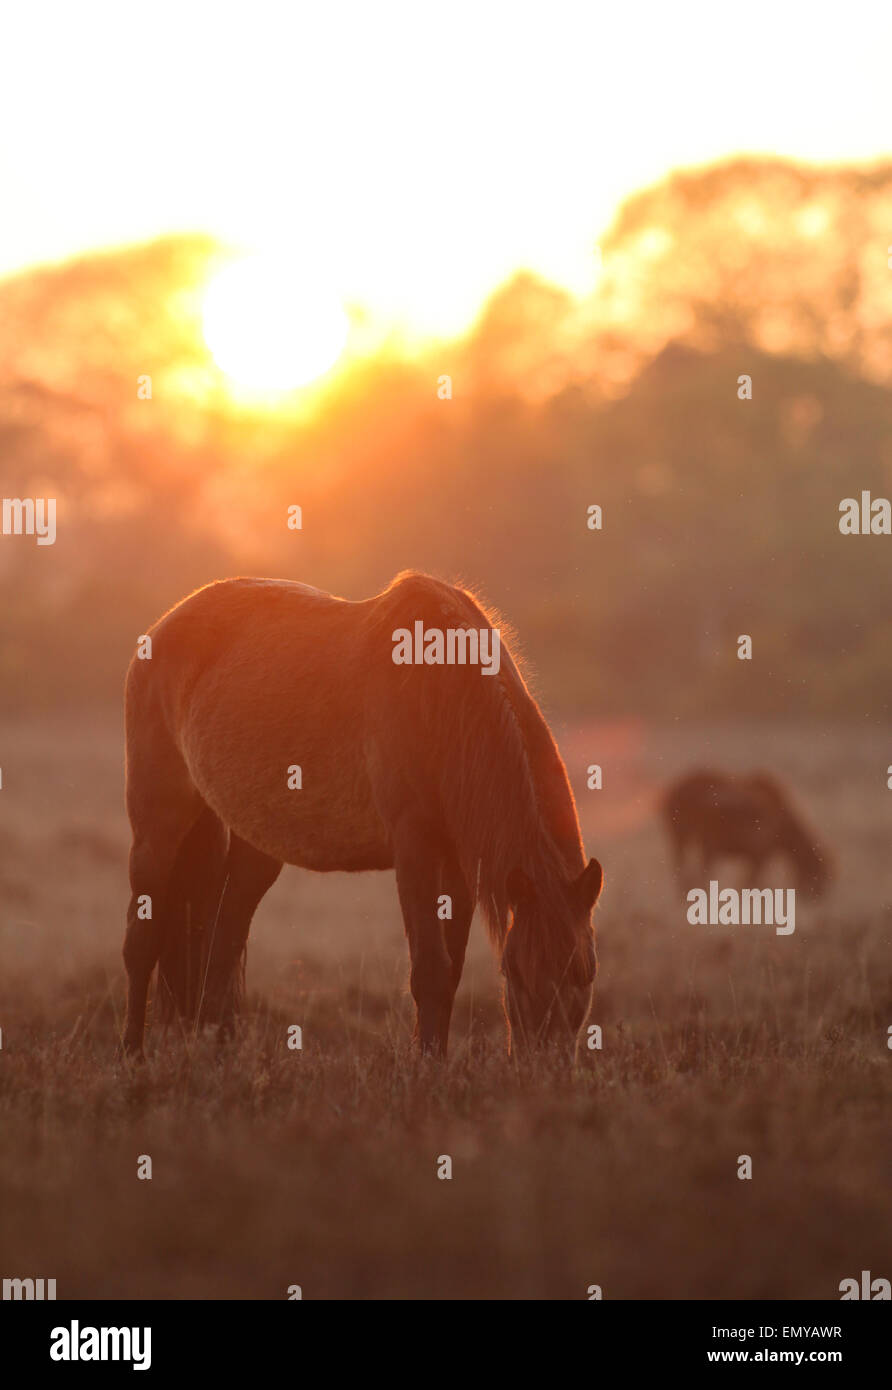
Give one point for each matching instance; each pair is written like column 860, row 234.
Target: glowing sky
column 416, row 153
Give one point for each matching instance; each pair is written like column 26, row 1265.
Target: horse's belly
column 311, row 806
column 312, row 836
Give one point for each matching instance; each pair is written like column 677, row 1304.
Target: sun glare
column 270, row 330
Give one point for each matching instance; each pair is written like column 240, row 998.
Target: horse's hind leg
column 163, row 806
column 248, row 874
column 193, row 899
column 152, row 862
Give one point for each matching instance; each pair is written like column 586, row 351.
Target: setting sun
column 268, row 329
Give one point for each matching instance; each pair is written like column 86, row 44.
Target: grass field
column 319, row 1167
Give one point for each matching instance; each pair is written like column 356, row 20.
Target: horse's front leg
column 421, row 853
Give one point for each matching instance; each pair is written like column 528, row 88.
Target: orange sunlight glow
column 269, row 329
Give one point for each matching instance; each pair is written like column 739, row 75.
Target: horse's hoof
column 130, row 1052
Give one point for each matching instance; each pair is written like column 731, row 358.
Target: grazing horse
column 717, row 814
column 274, row 723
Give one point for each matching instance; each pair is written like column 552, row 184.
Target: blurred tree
column 720, row 515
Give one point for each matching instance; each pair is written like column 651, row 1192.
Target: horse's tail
column 667, row 803
column 192, row 909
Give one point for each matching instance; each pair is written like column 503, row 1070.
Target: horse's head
column 549, row 960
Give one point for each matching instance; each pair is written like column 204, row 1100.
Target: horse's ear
column 587, row 887
column 520, row 887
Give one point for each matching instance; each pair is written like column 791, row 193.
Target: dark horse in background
column 718, row 815
column 448, row 775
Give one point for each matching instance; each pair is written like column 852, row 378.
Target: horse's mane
column 502, row 784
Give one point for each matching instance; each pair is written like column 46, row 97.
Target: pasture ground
column 273, row 1167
